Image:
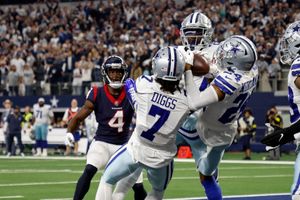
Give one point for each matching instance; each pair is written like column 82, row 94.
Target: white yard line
column 176, row 160
column 12, row 197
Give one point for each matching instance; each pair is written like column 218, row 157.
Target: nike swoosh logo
column 281, row 136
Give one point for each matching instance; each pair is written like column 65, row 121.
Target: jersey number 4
column 163, row 117
column 117, row 121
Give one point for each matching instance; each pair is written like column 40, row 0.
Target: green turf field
column 34, row 179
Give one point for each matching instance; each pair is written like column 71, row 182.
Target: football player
column 290, row 54
column 42, row 113
column 224, row 100
column 196, row 36
column 161, row 106
column 113, row 114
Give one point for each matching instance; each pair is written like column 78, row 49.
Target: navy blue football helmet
column 114, row 62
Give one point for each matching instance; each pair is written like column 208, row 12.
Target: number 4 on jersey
column 117, row 121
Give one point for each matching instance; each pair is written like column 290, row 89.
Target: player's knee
column 90, row 170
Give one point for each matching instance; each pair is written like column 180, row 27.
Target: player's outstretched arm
column 282, row 136
column 197, row 99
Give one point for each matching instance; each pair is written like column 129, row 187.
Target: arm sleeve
column 130, row 89
column 197, row 99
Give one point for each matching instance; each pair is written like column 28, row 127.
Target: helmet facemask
column 196, row 38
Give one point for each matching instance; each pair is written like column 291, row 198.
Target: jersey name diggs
column 163, row 100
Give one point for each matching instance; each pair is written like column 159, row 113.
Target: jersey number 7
column 163, row 117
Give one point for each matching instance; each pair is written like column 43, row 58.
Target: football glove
column 188, row 57
column 69, row 139
column 278, row 136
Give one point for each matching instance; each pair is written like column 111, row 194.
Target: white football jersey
column 293, row 91
column 218, row 123
column 159, row 116
column 42, row 114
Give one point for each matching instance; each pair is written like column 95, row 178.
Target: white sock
column 104, row 191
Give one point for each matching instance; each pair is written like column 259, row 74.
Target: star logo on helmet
column 296, row 28
column 234, row 49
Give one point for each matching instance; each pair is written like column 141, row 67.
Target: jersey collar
column 112, row 99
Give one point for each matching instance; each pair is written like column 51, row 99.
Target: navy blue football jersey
column 113, row 114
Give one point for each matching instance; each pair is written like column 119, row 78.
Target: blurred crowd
column 56, row 48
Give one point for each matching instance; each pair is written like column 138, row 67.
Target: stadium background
column 43, row 32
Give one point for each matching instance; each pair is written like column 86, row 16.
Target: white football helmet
column 114, row 62
column 196, row 31
column 290, row 43
column 168, row 64
column 236, row 52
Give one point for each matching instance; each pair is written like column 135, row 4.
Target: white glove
column 69, row 139
column 189, row 57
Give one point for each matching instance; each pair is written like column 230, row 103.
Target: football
column 200, row 66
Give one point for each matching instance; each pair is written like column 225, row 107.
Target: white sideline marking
column 11, row 197
column 233, row 196
column 176, row 160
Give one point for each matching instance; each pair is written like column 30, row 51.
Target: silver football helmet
column 168, row 64
column 290, row 43
column 196, row 31
column 236, row 52
column 116, row 63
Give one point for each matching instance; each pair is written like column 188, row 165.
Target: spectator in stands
column 13, row 78
column 42, row 115
column 18, row 62
column 68, row 116
column 77, row 80
column 246, row 131
column 68, row 66
column 138, row 28
column 274, row 119
column 28, row 79
column 274, row 71
column 55, row 76
column 86, row 69
column 14, row 121
column 135, row 71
